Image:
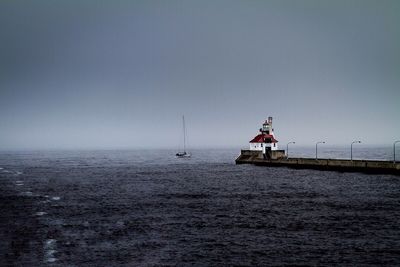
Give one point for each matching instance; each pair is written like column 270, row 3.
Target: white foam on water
column 30, row 194
column 1, row 168
column 50, row 252
column 55, row 198
column 51, row 259
column 49, row 249
column 18, row 173
column 50, row 242
column 40, row 213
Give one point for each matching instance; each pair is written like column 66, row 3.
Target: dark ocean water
column 147, row 208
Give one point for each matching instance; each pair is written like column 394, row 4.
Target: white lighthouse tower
column 265, row 141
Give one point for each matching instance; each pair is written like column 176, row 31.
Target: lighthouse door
column 267, row 153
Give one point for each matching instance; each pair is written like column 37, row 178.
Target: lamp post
column 351, row 149
column 394, row 151
column 287, row 148
column 316, row 149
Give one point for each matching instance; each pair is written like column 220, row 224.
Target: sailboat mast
column 184, row 134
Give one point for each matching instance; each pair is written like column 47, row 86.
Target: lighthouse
column 265, row 141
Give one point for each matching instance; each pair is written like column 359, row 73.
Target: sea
column 149, row 208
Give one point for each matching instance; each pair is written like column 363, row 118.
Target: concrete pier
column 343, row 165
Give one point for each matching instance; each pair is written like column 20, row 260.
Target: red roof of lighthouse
column 261, row 137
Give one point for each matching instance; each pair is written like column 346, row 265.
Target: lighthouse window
column 261, row 145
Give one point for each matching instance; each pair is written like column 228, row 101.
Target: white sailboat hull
column 183, row 155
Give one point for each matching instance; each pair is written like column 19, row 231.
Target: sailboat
column 183, row 154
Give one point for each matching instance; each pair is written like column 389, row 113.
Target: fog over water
column 119, row 74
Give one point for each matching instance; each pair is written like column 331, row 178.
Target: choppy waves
column 84, row 211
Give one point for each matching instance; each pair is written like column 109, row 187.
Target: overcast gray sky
column 119, row 74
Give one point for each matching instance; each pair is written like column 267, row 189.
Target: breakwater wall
column 343, row 165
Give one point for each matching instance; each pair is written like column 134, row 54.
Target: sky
column 87, row 74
